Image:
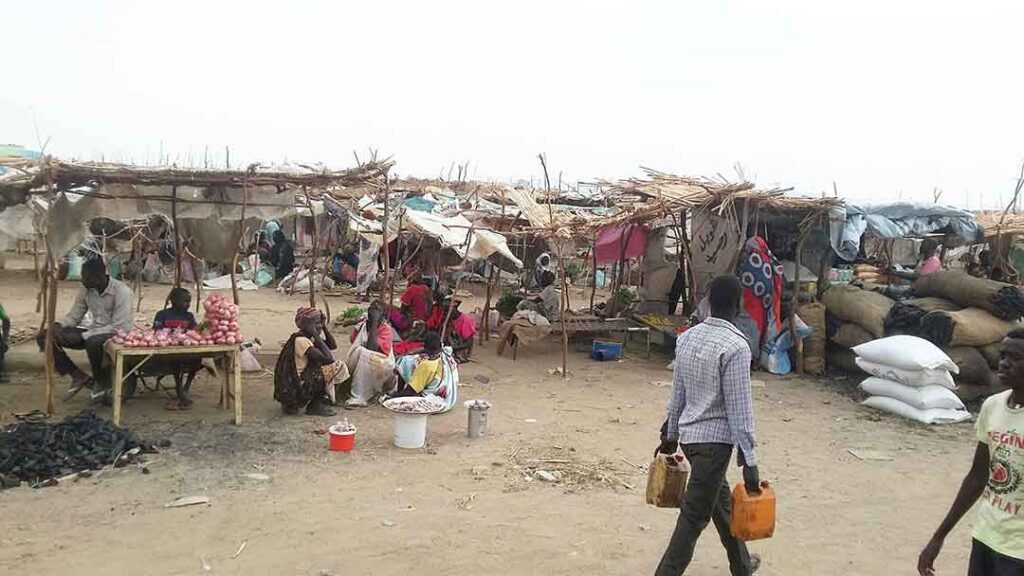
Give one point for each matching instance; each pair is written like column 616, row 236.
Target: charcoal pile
column 40, row 452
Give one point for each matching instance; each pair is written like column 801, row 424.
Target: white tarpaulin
column 451, row 232
column 72, row 212
column 16, row 223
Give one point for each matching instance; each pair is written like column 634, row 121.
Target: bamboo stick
column 561, row 270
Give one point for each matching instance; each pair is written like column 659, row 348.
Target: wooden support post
column 241, row 241
column 399, row 258
column 485, row 333
column 199, row 281
column 51, row 303
column 798, row 344
column 177, row 236
column 561, row 270
column 316, row 253
column 384, row 231
column 593, row 287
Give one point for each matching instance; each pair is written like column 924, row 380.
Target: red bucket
column 341, row 440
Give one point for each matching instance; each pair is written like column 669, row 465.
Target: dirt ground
column 465, row 506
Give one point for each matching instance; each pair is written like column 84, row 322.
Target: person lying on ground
column 306, row 371
column 5, row 336
column 710, row 410
column 176, row 315
column 371, row 358
column 432, row 372
column 109, row 302
column 995, row 477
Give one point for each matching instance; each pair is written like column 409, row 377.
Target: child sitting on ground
column 177, row 316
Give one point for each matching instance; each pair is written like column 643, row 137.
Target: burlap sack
column 850, row 335
column 842, row 358
column 931, row 304
column 1001, row 300
column 973, row 367
column 814, row 345
column 976, row 327
column 851, row 304
column 991, row 354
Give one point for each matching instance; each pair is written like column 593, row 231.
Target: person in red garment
column 996, row 477
column 416, row 298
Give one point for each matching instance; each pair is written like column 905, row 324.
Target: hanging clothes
column 762, row 278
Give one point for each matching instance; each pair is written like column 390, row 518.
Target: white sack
column 932, row 416
column 922, row 398
column 907, row 352
column 918, row 378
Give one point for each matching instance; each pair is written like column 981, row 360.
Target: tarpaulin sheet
column 897, row 220
column 451, row 232
column 608, row 246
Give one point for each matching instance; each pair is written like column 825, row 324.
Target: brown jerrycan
column 753, row 515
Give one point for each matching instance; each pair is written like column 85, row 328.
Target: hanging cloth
column 762, row 278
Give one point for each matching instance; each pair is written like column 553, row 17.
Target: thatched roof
column 995, row 223
column 661, row 194
column 31, row 173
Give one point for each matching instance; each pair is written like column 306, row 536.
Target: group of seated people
column 378, row 364
column 309, row 369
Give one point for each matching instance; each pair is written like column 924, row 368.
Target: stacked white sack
column 912, row 379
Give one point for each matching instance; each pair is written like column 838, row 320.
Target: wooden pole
column 384, row 232
column 458, row 283
column 486, row 321
column 399, row 257
column 241, row 239
column 593, row 258
column 177, row 236
column 316, row 252
column 798, row 344
column 561, row 270
column 51, row 302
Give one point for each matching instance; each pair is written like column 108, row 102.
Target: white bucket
column 410, row 430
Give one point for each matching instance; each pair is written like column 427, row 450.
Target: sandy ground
column 466, row 507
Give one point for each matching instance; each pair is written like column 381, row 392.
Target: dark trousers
column 987, row 562
column 706, row 499
column 93, row 347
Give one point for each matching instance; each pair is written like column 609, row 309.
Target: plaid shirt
column 711, row 398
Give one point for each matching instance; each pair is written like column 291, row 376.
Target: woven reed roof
column 995, row 223
column 34, row 173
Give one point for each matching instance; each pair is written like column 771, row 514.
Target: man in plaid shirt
column 710, row 411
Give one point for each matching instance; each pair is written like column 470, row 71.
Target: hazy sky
column 887, row 98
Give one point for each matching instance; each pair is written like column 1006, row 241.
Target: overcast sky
column 888, row 99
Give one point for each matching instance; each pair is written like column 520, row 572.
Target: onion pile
column 161, row 338
column 220, row 327
column 221, row 320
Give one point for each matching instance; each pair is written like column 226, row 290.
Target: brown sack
column 851, row 304
column 666, row 481
column 1001, row 300
column 850, row 335
column 932, row 303
column 991, row 354
column 842, row 358
column 976, row 327
column 814, row 344
column 973, row 367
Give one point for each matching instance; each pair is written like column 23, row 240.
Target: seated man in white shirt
column 109, row 302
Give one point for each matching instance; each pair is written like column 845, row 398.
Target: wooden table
column 117, row 353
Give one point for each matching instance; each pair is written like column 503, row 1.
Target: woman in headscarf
column 432, row 373
column 371, row 359
column 541, row 265
column 306, row 371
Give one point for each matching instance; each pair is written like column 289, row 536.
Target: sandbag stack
column 869, row 273
column 912, row 378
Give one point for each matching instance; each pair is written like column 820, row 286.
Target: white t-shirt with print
column 1001, row 513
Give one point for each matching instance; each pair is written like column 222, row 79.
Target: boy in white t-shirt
column 996, row 476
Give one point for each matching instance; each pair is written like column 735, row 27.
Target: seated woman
column 415, row 307
column 371, row 359
column 176, row 316
column 549, row 302
column 434, row 372
column 306, row 371
column 461, row 328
